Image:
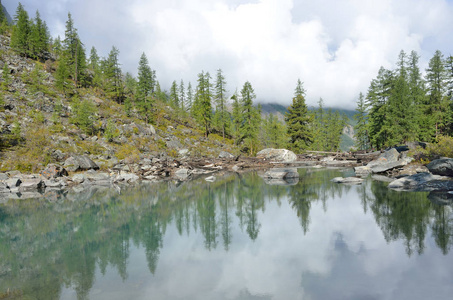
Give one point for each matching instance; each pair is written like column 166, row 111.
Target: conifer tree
column 417, row 93
column 113, row 76
column 202, row 107
column 174, row 94
column 298, row 121
column 39, row 37
column 377, row 100
column 144, row 87
column 319, row 127
column 436, row 77
column 251, row 119
column 360, row 129
column 182, row 95
column 275, row 132
column 21, row 32
column 189, row 101
column 236, row 114
column 220, row 101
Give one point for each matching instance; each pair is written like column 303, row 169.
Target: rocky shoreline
column 278, row 166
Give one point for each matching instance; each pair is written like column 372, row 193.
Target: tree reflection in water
column 57, row 242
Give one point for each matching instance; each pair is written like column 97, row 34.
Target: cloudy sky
column 334, row 46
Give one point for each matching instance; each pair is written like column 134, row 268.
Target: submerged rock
column 281, row 173
column 423, row 182
column 348, row 180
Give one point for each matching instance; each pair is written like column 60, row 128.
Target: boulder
column 348, row 180
column 381, row 168
column 182, row 174
column 183, row 152
column 54, row 171
column 362, row 171
column 31, row 185
column 3, row 176
column 225, row 154
column 388, row 156
column 423, row 182
column 210, row 179
column 13, row 182
column 4, row 188
column 443, row 167
column 278, row 155
column 281, row 173
column 127, row 177
column 80, row 163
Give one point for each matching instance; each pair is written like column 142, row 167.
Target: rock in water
column 443, row 167
column 348, row 180
column 281, row 155
column 281, row 173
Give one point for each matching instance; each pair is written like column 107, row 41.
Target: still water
column 236, row 238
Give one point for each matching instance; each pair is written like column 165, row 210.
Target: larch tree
column 220, row 101
column 21, row 32
column 436, row 78
column 251, row 119
column 361, row 127
column 144, row 87
column 298, row 121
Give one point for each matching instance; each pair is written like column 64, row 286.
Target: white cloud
column 334, row 47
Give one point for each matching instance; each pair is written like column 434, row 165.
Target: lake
column 235, row 238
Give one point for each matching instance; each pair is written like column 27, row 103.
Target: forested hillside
column 56, row 98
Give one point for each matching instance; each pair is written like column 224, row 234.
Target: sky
column 335, row 47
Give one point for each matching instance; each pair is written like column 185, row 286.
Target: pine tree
column 436, row 77
column 202, row 107
column 21, row 32
column 39, row 37
column 174, row 94
column 182, row 95
column 417, row 93
column 144, row 87
column 360, row 129
column 401, row 121
column 189, row 101
column 298, row 121
column 377, row 101
column 251, row 118
column 236, row 114
column 319, row 127
column 220, row 101
column 275, row 132
column 113, row 76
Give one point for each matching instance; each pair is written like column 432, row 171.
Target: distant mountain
column 8, row 16
column 347, row 138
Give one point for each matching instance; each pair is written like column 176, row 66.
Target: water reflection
column 51, row 245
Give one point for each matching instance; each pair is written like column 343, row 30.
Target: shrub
column 443, row 148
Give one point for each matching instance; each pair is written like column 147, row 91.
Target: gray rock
column 281, row 182
column 52, row 183
column 281, row 173
column 423, row 182
column 4, row 188
column 80, row 163
column 280, row 155
column 127, row 177
column 78, row 178
column 381, row 168
column 443, row 166
column 183, row 152
column 210, row 179
column 182, row 174
column 382, row 178
column 225, row 154
column 97, row 176
column 31, row 185
column 3, row 176
column 54, row 171
column 13, row 182
column 236, row 168
column 362, row 171
column 348, row 180
column 388, row 156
